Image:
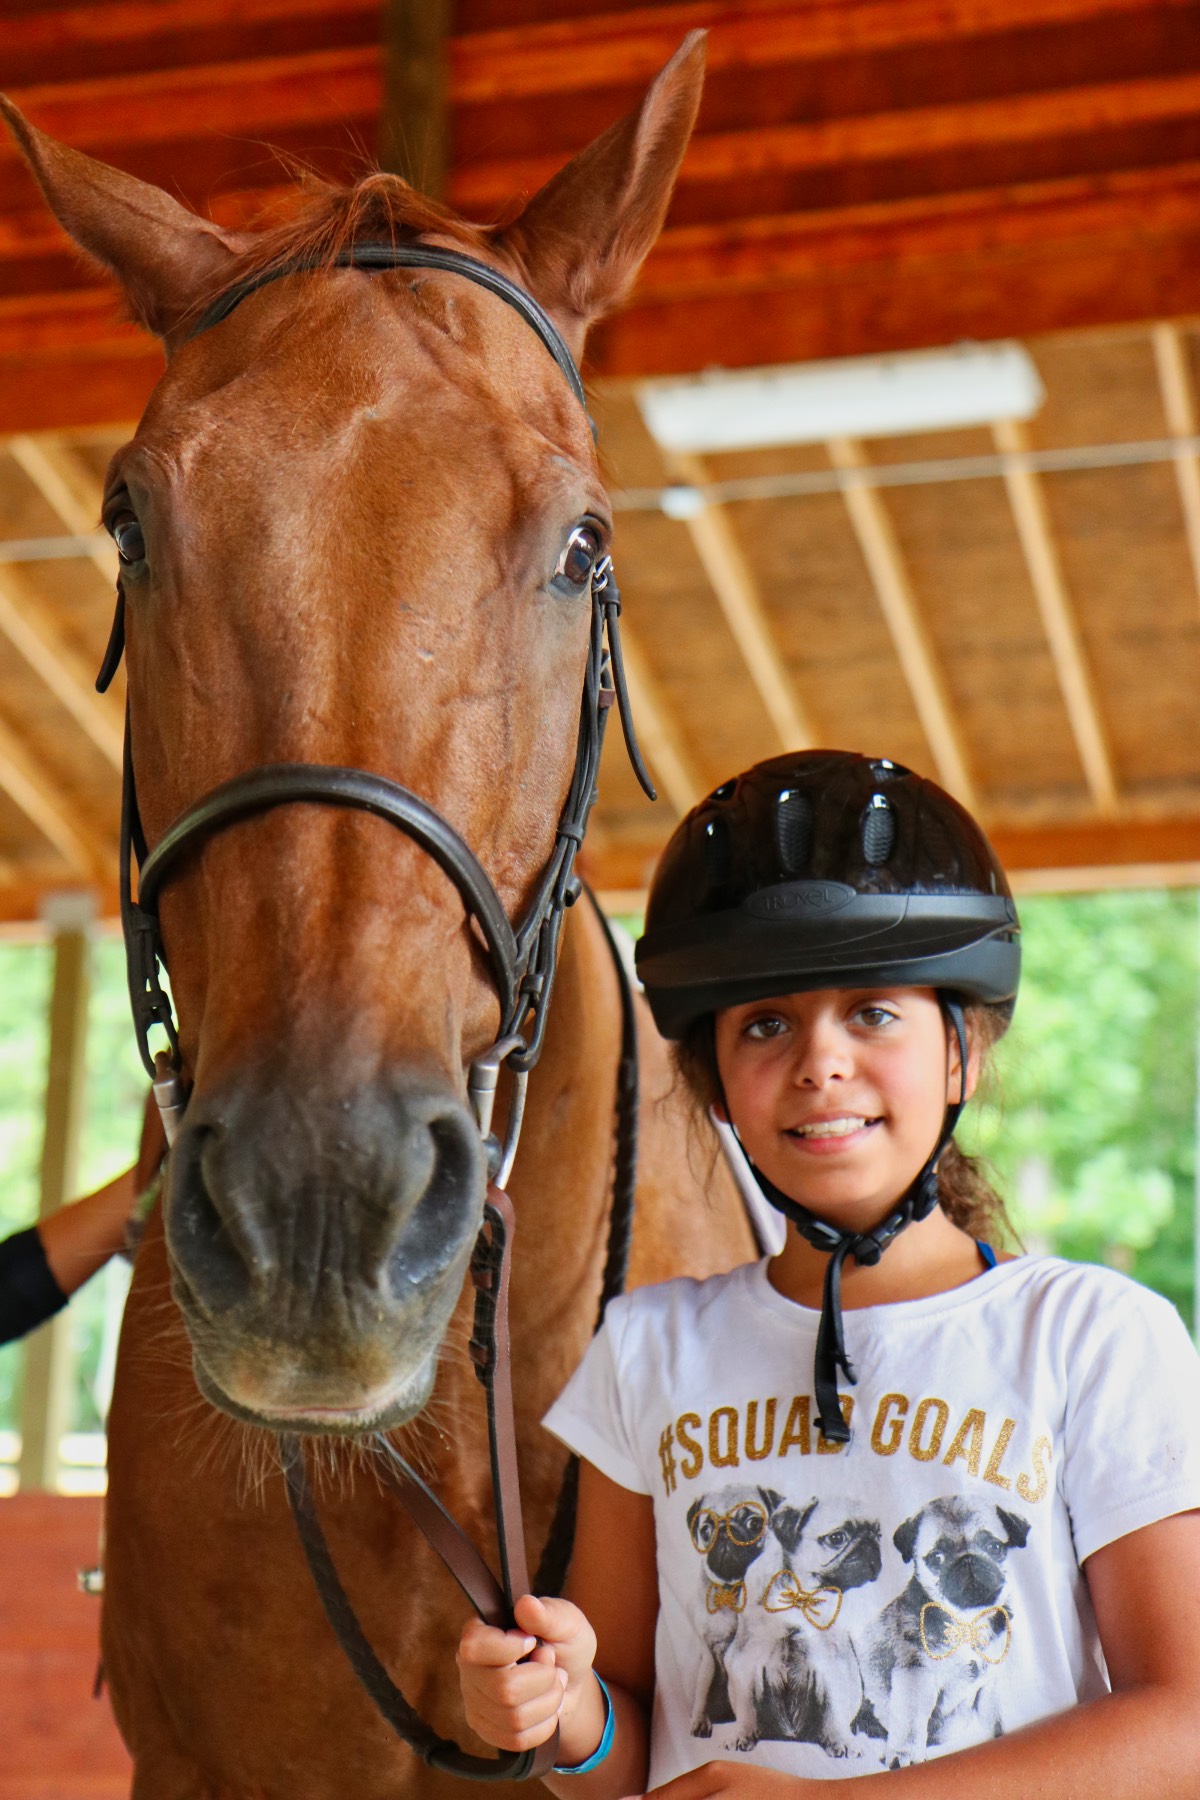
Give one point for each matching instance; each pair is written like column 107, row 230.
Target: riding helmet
column 825, row 869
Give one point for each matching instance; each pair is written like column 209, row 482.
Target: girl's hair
column 965, row 1192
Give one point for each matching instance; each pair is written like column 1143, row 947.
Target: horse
column 357, row 525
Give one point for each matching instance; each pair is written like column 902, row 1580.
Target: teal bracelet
column 602, row 1748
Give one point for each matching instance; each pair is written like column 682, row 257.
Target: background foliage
column 1091, row 1124
column 116, row 1088
column 1089, row 1120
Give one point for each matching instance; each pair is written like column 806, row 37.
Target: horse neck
column 562, row 1178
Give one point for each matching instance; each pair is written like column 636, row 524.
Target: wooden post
column 413, row 139
column 46, row 1396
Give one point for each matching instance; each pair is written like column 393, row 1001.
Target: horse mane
column 322, row 218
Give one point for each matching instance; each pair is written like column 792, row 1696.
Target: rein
column 493, row 1600
column 523, row 958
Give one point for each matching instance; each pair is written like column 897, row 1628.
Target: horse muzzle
column 318, row 1246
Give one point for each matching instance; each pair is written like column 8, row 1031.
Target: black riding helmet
column 826, row 869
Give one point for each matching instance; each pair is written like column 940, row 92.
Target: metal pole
column 46, row 1396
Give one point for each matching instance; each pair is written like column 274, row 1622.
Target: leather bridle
column 522, row 959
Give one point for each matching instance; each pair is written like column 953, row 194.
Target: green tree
column 1091, row 1120
column 116, row 1089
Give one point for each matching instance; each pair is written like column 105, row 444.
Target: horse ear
column 582, row 239
column 167, row 259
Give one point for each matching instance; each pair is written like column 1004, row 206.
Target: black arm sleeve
column 28, row 1291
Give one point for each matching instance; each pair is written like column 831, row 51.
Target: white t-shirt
column 828, row 1610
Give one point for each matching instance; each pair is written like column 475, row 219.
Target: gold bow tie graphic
column 975, row 1634
column 728, row 1597
column 820, row 1606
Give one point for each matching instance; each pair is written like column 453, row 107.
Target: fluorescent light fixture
column 855, row 397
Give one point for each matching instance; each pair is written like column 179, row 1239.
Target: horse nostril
column 218, row 1253
column 431, row 1235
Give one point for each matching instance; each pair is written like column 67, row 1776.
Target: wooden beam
column 413, row 134
column 736, row 587
column 1026, row 497
column 898, row 603
column 954, row 129
column 622, row 49
column 46, row 807
column 257, row 95
column 1036, row 257
column 1112, row 843
column 23, row 893
column 70, row 490
column 59, row 666
column 1102, row 853
column 1179, row 405
column 179, row 23
column 658, row 732
column 984, row 224
column 46, row 1390
column 864, row 280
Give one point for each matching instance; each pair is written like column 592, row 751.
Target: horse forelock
column 320, row 219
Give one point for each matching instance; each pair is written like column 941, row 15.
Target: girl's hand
column 514, row 1704
column 738, row 1781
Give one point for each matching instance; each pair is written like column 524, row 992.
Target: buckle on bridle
column 483, row 1078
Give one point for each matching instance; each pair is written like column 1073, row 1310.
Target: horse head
column 358, row 525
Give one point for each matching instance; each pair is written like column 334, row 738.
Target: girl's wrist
column 586, row 1735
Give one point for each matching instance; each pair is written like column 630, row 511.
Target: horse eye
column 127, row 535
column 580, row 557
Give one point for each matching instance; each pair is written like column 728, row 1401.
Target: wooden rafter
column 898, row 603
column 953, row 129
column 1179, row 405
column 116, row 22
column 658, row 732
column 70, row 490
column 736, row 587
column 529, row 61
column 258, row 94
column 1104, row 853
column 61, row 669
column 1026, row 496
column 630, row 47
column 746, row 253
column 46, row 807
column 413, row 135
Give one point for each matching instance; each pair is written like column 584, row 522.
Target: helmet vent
column 878, row 830
column 793, row 830
column 718, row 853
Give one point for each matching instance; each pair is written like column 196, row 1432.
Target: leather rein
column 522, row 958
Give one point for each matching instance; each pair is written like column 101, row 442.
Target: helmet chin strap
column 865, row 1247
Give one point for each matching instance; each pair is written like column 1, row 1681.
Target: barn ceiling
column 1015, row 609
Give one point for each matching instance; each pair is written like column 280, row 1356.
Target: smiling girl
column 892, row 1506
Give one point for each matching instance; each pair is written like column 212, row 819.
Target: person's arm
column 79, row 1239
column 1141, row 1742
column 606, row 1625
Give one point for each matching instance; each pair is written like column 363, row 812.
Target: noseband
column 522, row 957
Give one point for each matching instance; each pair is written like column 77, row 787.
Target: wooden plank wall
column 56, row 1741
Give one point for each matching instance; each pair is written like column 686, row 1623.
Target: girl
column 947, row 1537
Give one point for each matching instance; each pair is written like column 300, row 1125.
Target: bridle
column 522, row 959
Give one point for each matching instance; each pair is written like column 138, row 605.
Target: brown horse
column 346, row 524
